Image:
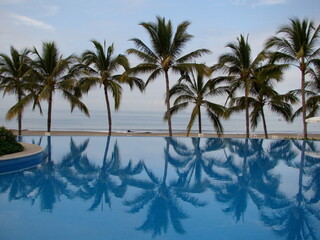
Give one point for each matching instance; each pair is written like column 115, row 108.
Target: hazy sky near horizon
column 214, row 23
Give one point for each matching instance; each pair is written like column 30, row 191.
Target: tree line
column 246, row 81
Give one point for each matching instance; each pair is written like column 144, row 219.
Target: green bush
column 8, row 142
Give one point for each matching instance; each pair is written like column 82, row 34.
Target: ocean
column 142, row 121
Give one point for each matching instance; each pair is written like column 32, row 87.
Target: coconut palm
column 312, row 90
column 164, row 53
column 264, row 95
column 13, row 71
column 194, row 90
column 51, row 70
column 240, row 67
column 101, row 66
column 298, row 44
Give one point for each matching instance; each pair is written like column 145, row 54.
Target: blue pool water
column 164, row 188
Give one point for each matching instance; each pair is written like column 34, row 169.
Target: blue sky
column 214, row 23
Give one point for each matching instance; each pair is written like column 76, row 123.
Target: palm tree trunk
column 244, row 165
column 108, row 108
column 49, row 148
column 165, row 172
column 303, row 99
column 247, row 107
column 106, row 151
column 199, row 120
column 264, row 123
column 168, row 104
column 49, row 113
column 302, row 160
column 19, row 118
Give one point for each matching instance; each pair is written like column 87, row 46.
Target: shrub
column 8, row 142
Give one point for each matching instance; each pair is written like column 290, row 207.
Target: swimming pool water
column 164, row 188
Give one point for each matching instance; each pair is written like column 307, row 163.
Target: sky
column 214, row 23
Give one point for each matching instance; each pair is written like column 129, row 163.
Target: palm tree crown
column 192, row 89
column 298, row 44
column 238, row 64
column 100, row 67
column 13, row 71
column 164, row 53
column 265, row 95
column 51, row 69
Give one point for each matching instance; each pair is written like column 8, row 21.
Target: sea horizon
column 149, row 121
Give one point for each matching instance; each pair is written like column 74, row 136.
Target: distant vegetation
column 8, row 142
column 247, row 82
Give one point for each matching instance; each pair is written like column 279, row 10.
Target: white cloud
column 257, row 2
column 31, row 22
column 270, row 2
column 10, row 1
column 51, row 10
column 238, row 2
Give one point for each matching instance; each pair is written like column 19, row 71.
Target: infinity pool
column 164, row 188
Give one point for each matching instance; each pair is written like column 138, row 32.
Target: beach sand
column 90, row 133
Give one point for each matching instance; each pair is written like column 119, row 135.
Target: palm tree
column 299, row 46
column 264, row 95
column 240, row 68
column 312, row 90
column 13, row 71
column 51, row 69
column 196, row 91
column 164, row 54
column 101, row 66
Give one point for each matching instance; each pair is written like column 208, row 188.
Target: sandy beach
column 92, row 133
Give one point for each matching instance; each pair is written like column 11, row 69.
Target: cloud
column 238, row 2
column 270, row 2
column 11, row 1
column 51, row 10
column 257, row 2
column 31, row 22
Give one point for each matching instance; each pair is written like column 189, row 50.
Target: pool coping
column 29, row 150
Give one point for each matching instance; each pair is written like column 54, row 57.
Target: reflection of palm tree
column 18, row 185
column 104, row 183
column 198, row 164
column 314, row 173
column 294, row 217
column 249, row 179
column 162, row 200
column 75, row 166
column 48, row 185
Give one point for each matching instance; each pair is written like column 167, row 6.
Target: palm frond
column 75, row 102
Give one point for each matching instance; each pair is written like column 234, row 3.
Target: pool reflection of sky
column 163, row 188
